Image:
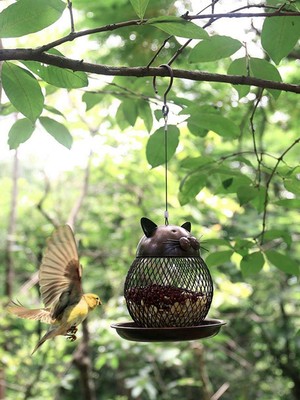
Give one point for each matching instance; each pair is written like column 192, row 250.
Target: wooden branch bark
column 139, row 72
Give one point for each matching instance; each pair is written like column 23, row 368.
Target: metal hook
column 170, row 70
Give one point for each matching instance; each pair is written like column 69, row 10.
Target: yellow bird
column 66, row 306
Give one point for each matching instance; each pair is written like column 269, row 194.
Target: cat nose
column 184, row 243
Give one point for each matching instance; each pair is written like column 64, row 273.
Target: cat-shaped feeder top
column 167, row 241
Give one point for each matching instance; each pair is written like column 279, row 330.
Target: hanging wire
column 165, row 112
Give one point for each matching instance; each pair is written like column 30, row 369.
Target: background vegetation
column 81, row 146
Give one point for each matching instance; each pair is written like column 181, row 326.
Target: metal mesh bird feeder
column 168, row 283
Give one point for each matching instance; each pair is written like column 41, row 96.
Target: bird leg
column 71, row 337
column 71, row 333
column 72, row 330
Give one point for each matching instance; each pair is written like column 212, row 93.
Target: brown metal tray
column 130, row 331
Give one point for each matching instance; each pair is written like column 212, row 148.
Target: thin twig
column 219, row 393
column 74, row 35
column 266, row 200
column 40, row 204
column 242, row 15
column 158, row 51
column 70, row 7
column 258, row 155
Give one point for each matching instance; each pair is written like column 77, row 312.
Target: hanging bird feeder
column 168, row 288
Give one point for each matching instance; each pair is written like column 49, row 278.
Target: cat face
column 169, row 240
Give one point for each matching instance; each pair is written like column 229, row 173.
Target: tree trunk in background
column 2, row 384
column 10, row 241
column 206, row 387
column 82, row 360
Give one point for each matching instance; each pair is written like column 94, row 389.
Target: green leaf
column 252, row 263
column 232, row 183
column 283, row 262
column 178, row 27
column 190, row 187
column 218, row 258
column 144, row 111
column 28, row 16
column 197, row 162
column 217, row 242
column 140, row 7
column 242, row 246
column 278, row 233
column 23, row 90
column 20, row 131
column 279, row 36
column 196, row 130
column 246, row 193
column 240, row 67
column 214, row 48
column 259, row 201
column 91, row 99
column 155, row 149
column 59, row 77
column 130, row 111
column 216, row 123
column 262, row 69
column 292, row 204
column 58, row 131
column 54, row 111
column 121, row 119
column 256, row 67
column 227, row 183
column 292, row 185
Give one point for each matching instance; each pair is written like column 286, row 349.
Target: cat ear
column 187, row 226
column 148, row 226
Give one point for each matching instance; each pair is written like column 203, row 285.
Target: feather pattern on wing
column 60, row 270
column 20, row 311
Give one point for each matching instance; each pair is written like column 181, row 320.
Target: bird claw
column 71, row 337
column 72, row 330
column 71, row 333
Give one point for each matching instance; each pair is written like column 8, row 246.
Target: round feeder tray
column 133, row 332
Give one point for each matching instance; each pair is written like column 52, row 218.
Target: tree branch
column 242, row 15
column 100, row 69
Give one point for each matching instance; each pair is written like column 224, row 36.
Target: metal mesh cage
column 168, row 291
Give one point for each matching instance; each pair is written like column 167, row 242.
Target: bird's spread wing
column 60, row 271
column 23, row 312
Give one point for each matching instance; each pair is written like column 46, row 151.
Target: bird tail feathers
column 48, row 335
column 39, row 314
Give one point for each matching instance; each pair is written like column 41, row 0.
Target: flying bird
column 66, row 306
